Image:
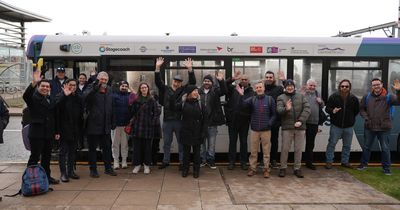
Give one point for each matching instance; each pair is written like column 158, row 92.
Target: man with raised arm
column 172, row 118
column 42, row 108
column 376, row 109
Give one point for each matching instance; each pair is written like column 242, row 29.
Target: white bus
column 326, row 60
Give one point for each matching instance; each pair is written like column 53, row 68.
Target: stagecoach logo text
column 114, row 49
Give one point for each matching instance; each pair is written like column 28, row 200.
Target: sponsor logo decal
column 256, row 49
column 76, row 48
column 167, row 49
column 143, row 49
column 327, row 50
column 229, row 49
column 211, row 50
column 187, row 49
column 272, row 50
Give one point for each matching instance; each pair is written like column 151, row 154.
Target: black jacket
column 56, row 86
column 194, row 125
column 166, row 93
column 99, row 106
column 215, row 115
column 42, row 112
column 274, row 91
column 234, row 114
column 70, row 112
column 346, row 117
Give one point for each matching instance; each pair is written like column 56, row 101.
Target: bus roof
column 89, row 46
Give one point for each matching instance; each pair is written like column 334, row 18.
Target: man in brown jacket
column 375, row 108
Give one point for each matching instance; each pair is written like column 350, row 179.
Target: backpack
column 34, row 182
column 391, row 108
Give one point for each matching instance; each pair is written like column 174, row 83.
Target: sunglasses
column 344, row 86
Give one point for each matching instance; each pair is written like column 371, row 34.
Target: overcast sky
column 209, row 17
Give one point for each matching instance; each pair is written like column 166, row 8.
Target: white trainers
column 124, row 163
column 146, row 169
column 116, row 164
column 136, row 169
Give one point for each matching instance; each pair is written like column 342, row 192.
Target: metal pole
column 398, row 22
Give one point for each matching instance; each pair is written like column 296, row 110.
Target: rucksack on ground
column 34, row 182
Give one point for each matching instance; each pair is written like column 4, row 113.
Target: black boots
column 64, row 177
column 73, row 175
column 185, row 172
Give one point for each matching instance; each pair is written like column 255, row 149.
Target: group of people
column 64, row 109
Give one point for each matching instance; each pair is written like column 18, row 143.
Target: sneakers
column 146, row 169
column 266, row 174
column 136, row 169
column 212, row 165
column 311, row 166
column 347, row 165
column 274, row 164
column 163, row 165
column 53, row 181
column 110, row 172
column 94, row 174
column 203, row 164
column 387, row 172
column 231, row 166
column 124, row 163
column 251, row 173
column 282, row 172
column 116, row 165
column 298, row 173
column 244, row 166
column 361, row 167
column 328, row 166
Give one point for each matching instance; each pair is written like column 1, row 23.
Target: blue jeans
column 169, row 127
column 335, row 133
column 369, row 138
column 208, row 147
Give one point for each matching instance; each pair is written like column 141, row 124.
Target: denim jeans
column 335, row 133
column 169, row 127
column 369, row 140
column 208, row 147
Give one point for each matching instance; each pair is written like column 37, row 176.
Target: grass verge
column 390, row 185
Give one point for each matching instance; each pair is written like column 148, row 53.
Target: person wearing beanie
column 121, row 113
column 294, row 110
column 194, row 128
column 210, row 94
column 172, row 118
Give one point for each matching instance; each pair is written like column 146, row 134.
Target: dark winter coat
column 4, row 118
column 121, row 108
column 145, row 116
column 263, row 112
column 215, row 115
column 56, row 86
column 350, row 107
column 100, row 119
column 166, row 93
column 376, row 111
column 274, row 91
column 234, row 114
column 42, row 113
column 70, row 112
column 194, row 124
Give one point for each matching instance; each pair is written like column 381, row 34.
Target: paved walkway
column 215, row 189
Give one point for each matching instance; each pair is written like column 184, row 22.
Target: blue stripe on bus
column 30, row 52
column 379, row 47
